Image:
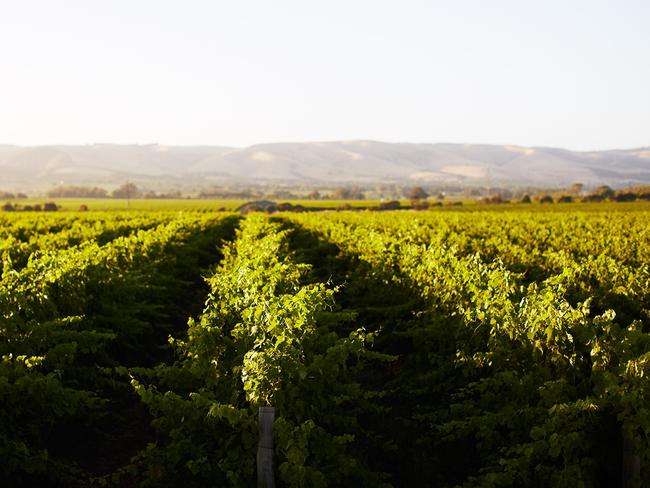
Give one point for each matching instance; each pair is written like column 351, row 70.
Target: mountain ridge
column 325, row 162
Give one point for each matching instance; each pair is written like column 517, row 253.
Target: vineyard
column 456, row 348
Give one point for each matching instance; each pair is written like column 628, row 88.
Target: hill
column 337, row 162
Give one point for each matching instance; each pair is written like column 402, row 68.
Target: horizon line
column 324, row 141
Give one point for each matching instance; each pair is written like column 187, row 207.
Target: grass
column 212, row 205
column 110, row 204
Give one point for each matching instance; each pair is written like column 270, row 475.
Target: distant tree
column 420, row 204
column 601, row 193
column 626, row 197
column 127, row 190
column 285, row 207
column 390, row 205
column 546, row 199
column 494, row 199
column 83, row 208
column 50, row 207
column 592, row 197
column 565, row 199
column 169, row 194
column 341, row 193
column 8, row 207
column 70, row 191
column 347, row 193
column 576, row 188
column 526, row 199
column 314, row 195
column 504, row 193
column 417, row 193
column 604, row 192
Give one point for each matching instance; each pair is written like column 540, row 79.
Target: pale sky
column 568, row 73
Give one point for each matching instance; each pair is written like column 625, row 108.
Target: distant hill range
column 329, row 163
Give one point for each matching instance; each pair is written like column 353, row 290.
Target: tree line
column 126, row 190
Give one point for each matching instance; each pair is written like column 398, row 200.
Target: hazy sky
column 564, row 73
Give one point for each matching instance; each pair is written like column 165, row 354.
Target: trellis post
column 265, row 478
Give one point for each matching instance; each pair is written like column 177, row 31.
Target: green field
column 472, row 346
column 110, row 204
column 209, row 205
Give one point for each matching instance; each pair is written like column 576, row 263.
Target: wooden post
column 631, row 472
column 265, row 478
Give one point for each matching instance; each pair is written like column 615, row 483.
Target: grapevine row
column 265, row 338
column 532, row 382
column 71, row 318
